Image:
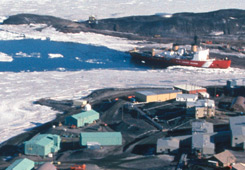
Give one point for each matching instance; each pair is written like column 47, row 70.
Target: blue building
column 42, row 145
column 102, row 138
column 79, row 120
column 22, row 164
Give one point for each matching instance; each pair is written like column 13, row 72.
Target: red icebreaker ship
column 198, row 57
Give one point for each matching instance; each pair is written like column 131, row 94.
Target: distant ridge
column 228, row 22
column 222, row 22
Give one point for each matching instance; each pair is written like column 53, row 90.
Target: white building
column 186, row 97
column 201, row 108
column 204, row 95
column 201, row 103
column 202, row 142
column 202, row 126
column 168, row 145
column 237, row 125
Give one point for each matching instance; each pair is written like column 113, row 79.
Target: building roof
column 157, row 92
column 100, row 134
column 237, row 125
column 201, row 103
column 22, row 164
column 201, row 126
column 168, row 142
column 192, row 96
column 239, row 104
column 202, row 141
column 188, row 87
column 42, row 139
column 225, row 157
column 103, row 138
column 204, row 94
column 47, row 166
column 238, row 166
column 83, row 115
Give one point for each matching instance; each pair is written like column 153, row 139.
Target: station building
column 202, row 126
column 156, row 95
column 190, row 89
column 237, row 126
column 22, row 164
column 168, row 145
column 80, row 119
column 186, row 97
column 201, row 108
column 238, row 166
column 101, row 138
column 224, row 159
column 42, row 145
column 202, row 142
column 238, row 104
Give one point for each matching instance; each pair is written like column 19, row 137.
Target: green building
column 82, row 118
column 103, row 138
column 22, row 164
column 42, row 145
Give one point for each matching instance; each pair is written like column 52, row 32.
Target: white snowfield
column 82, row 9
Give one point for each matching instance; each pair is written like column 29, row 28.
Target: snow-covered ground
column 82, row 9
column 233, row 53
column 18, row 32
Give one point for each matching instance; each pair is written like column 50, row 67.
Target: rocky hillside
column 59, row 24
column 226, row 22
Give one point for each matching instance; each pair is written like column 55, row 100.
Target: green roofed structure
column 22, row 164
column 80, row 119
column 102, row 138
column 42, row 145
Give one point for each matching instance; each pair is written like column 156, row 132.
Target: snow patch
column 25, row 55
column 5, row 57
column 237, row 54
column 2, row 18
column 55, row 55
column 232, row 18
column 61, row 69
column 217, row 33
column 92, row 61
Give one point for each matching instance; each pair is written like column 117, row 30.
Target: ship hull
column 165, row 62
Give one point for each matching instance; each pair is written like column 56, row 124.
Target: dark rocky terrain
column 156, row 27
column 59, row 24
column 230, row 22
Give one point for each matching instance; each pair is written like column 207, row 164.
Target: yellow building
column 156, row 95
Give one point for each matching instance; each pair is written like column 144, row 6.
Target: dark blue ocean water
column 76, row 56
